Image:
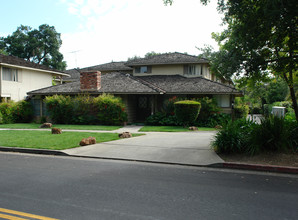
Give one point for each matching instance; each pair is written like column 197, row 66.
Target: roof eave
column 55, row 73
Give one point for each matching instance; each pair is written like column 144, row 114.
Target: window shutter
column 149, row 69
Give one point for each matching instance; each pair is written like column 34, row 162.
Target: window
column 143, row 69
column 10, row 74
column 191, row 70
column 195, row 70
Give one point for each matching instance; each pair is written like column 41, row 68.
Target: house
column 149, row 83
column 17, row 77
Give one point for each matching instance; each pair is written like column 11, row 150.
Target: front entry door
column 144, row 105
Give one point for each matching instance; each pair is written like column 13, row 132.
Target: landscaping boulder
column 56, row 131
column 218, row 127
column 193, row 128
column 125, row 135
column 46, row 125
column 88, row 141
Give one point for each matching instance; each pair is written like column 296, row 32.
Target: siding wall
column 28, row 80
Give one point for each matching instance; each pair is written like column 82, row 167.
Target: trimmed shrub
column 187, row 111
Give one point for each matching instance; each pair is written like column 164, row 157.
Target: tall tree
column 37, row 45
column 260, row 39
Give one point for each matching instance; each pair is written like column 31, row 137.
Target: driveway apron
column 190, row 148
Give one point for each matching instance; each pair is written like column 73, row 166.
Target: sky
column 94, row 32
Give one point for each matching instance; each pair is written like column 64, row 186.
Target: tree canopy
column 37, row 45
column 260, row 39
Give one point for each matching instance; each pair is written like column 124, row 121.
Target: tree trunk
column 292, row 92
column 293, row 96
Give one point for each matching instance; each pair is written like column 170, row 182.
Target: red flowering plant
column 169, row 105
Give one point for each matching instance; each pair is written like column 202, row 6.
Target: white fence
column 255, row 118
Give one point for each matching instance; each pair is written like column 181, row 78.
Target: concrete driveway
column 191, row 148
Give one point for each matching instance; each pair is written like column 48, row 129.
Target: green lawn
column 72, row 127
column 171, row 129
column 46, row 140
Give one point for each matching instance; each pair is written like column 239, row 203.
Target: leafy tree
column 151, row 54
column 37, row 45
column 261, row 39
column 135, row 57
column 3, row 52
column 276, row 91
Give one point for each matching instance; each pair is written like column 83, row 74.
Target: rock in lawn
column 56, row 131
column 88, row 141
column 125, row 135
column 46, row 125
column 193, row 128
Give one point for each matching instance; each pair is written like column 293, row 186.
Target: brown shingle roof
column 114, row 83
column 167, row 58
column 112, row 66
column 121, row 83
column 12, row 60
column 183, row 85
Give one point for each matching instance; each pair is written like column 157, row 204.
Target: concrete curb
column 257, row 167
column 226, row 165
column 33, row 151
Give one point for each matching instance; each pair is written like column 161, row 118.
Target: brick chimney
column 90, row 81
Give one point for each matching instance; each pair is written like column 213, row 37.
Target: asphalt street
column 80, row 188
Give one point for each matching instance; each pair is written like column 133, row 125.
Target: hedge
column 187, row 111
column 84, row 109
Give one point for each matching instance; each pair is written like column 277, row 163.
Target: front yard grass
column 46, row 140
column 171, row 129
column 62, row 126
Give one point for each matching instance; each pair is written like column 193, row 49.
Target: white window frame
column 10, row 74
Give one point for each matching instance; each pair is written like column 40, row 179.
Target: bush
column 161, row 118
column 104, row 109
column 1, row 118
column 267, row 109
column 6, row 112
column 234, row 137
column 256, row 110
column 241, row 110
column 217, row 119
column 84, row 110
column 22, row 112
column 60, row 108
column 111, row 110
column 273, row 134
column 208, row 113
column 187, row 111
